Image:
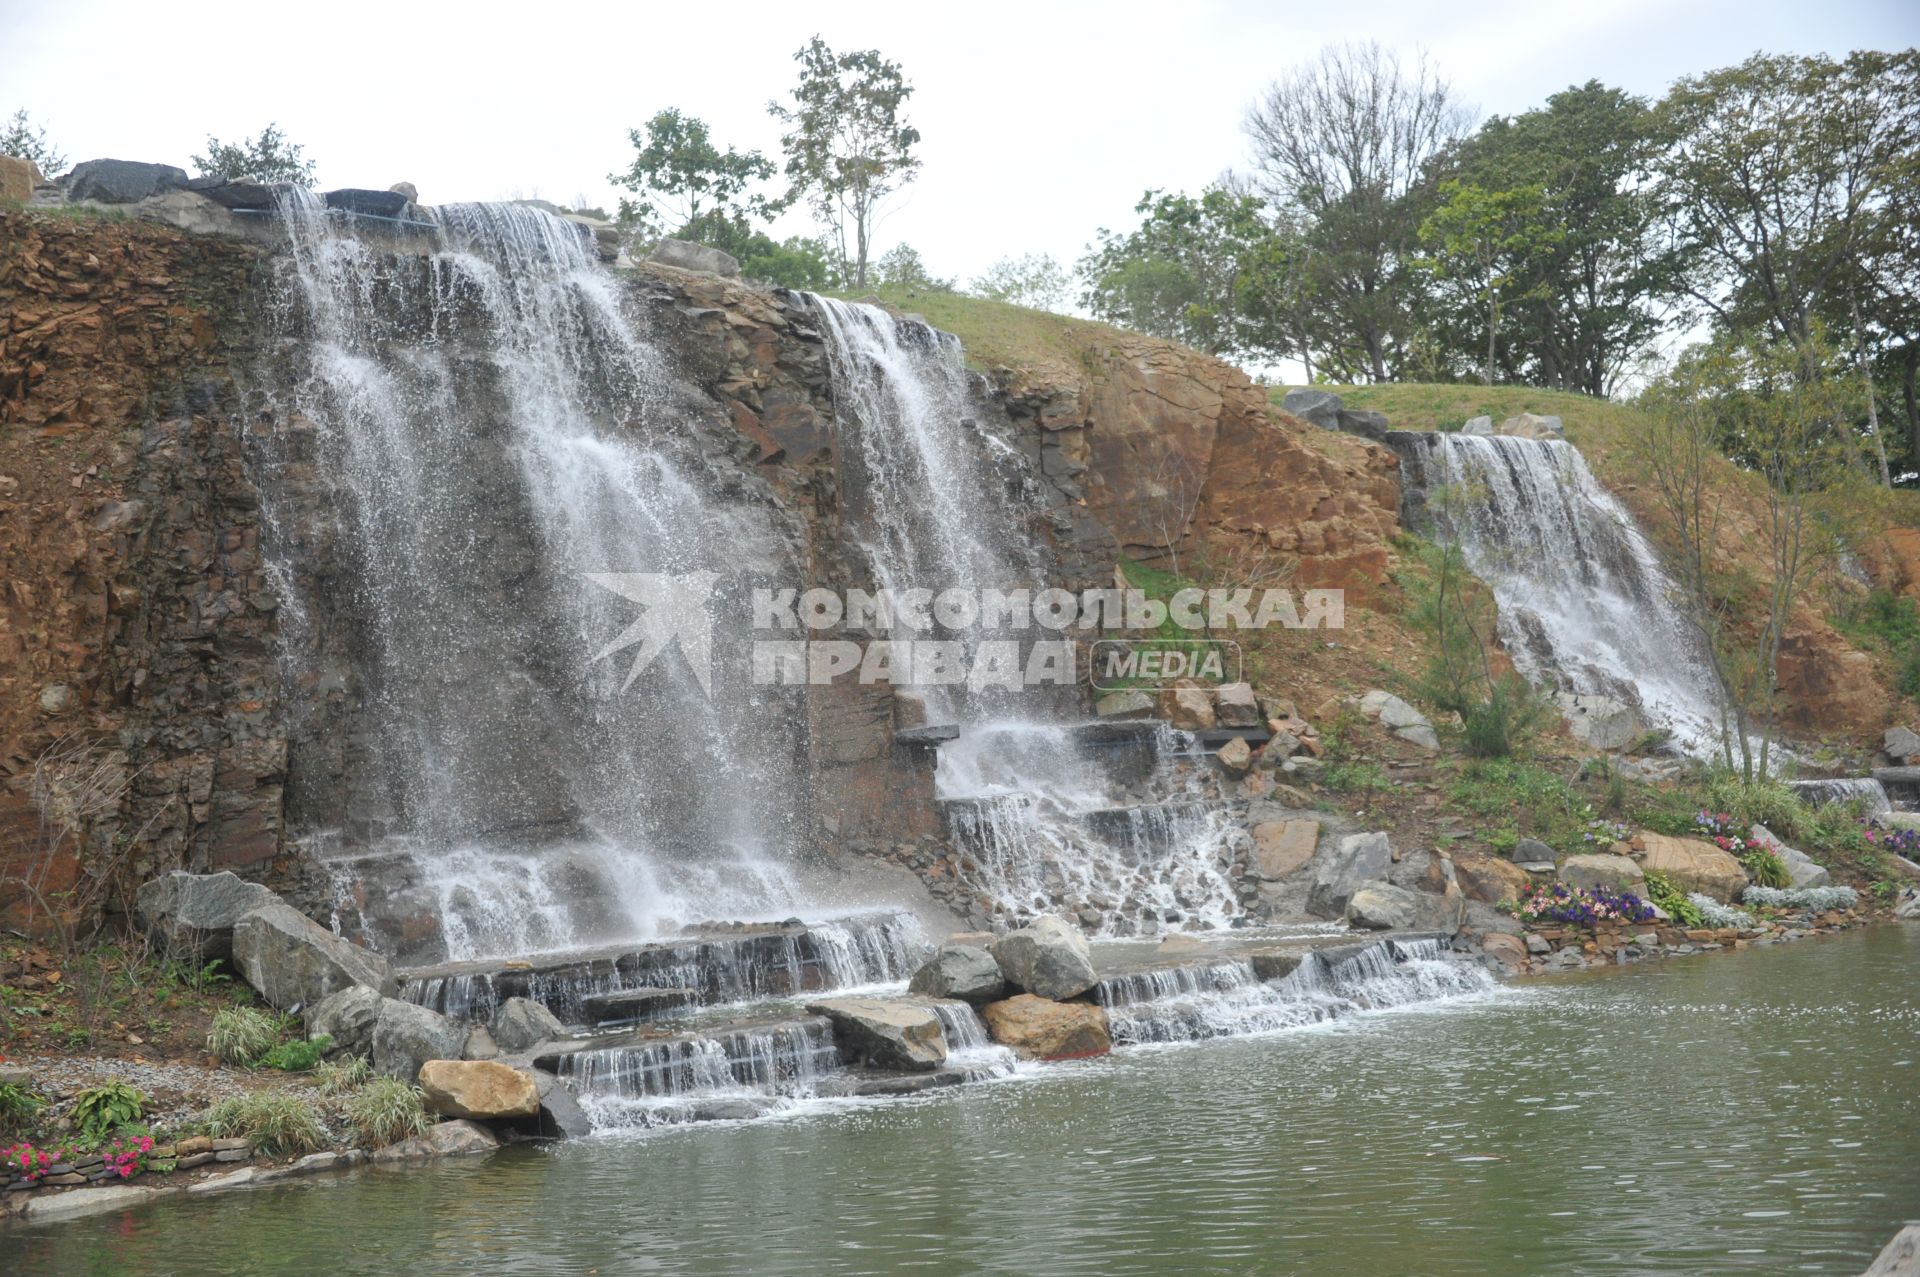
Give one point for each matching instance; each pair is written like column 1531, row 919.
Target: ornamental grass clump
column 1583, row 906
column 1810, row 899
column 241, row 1035
column 337, row 1077
column 386, row 1111
column 276, row 1121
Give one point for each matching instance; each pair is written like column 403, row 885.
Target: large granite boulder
column 406, row 1036
column 193, row 915
column 1040, row 1029
column 1281, row 848
column 1321, row 407
column 291, row 960
column 1237, row 706
column 1803, row 869
column 1406, row 722
column 121, row 181
column 520, row 1024
column 1489, row 879
column 686, row 255
column 560, row 1112
column 1367, row 425
column 1691, row 864
column 963, row 971
column 1359, row 859
column 1381, row 906
column 347, row 1018
column 459, row 1138
column 885, row 1033
column 483, row 1089
column 1599, row 721
column 1615, row 872
column 1048, row 957
column 1531, row 425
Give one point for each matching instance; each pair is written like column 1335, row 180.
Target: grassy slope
column 999, row 334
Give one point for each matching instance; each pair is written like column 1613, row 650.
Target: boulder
column 1235, row 757
column 347, row 1018
column 1901, row 743
column 963, row 971
column 1320, row 407
column 407, row 189
column 193, row 915
column 406, row 1036
column 1692, row 865
column 1132, row 703
column 484, row 1089
column 1490, row 879
column 1368, row 425
column 365, row 203
column 1282, row 847
column 1899, row 1257
column 189, row 211
column 1529, row 425
column 1190, row 709
column 121, row 181
column 1599, row 721
column 1406, row 722
column 683, row 255
column 443, row 1139
column 1508, row 950
column 242, row 192
column 1048, row 957
column 1531, row 851
column 560, row 1112
column 291, row 960
column 520, row 1024
column 1359, row 858
column 1040, row 1029
column 1477, row 426
column 1616, row 872
column 480, row 1044
column 18, row 177
column 885, row 1033
column 1381, row 906
column 1803, row 869
column 1237, row 706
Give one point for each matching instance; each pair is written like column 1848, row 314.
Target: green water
column 1729, row 1114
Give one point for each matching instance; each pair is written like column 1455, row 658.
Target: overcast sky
column 1040, row 121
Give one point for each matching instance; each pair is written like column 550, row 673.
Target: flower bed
column 1582, row 906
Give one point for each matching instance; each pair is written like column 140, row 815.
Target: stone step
column 630, row 1006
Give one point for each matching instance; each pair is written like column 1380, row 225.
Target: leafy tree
column 847, row 145
column 1602, row 292
column 795, row 262
column 1490, row 243
column 684, row 181
column 1034, row 280
column 267, row 158
column 1201, row 271
column 20, row 138
column 1347, row 140
column 901, row 269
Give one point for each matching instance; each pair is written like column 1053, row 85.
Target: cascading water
column 485, row 414
column 1869, row 793
column 1584, row 604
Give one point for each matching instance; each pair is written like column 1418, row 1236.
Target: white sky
column 1041, row 122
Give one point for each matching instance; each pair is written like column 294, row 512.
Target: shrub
column 385, row 1111
column 18, row 1106
column 1679, row 906
column 277, row 1122
column 297, row 1056
column 1765, row 868
column 1771, row 803
column 1716, row 915
column 1813, row 899
column 100, row 1110
column 1583, row 906
column 241, row 1035
column 340, row 1076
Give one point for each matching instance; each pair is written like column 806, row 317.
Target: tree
column 1035, row 280
column 1199, row 271
column 1490, row 243
column 795, row 262
column 847, row 145
column 267, row 158
column 684, row 181
column 20, row 138
column 1347, row 139
column 901, row 269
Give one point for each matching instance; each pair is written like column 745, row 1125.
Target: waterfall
column 488, row 420
column 737, row 1073
column 1865, row 790
column 1584, row 604
column 1226, row 999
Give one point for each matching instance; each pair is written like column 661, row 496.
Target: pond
column 1751, row 1113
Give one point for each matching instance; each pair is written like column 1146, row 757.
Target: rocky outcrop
column 121, row 181
column 1048, row 957
column 1281, row 848
column 963, row 971
column 1040, row 1029
column 1338, row 873
column 1489, row 879
column 347, row 1019
column 886, row 1033
column 520, row 1024
column 405, row 1037
column 482, row 1089
column 291, row 960
column 1615, row 872
column 1690, row 864
column 684, row 255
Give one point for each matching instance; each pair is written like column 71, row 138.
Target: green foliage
column 98, row 1111
column 681, row 179
column 1035, row 280
column 1766, row 869
column 296, row 1056
column 19, row 1105
column 20, row 138
column 1499, row 711
column 1354, row 778
column 848, row 145
column 1891, row 621
column 241, row 1035
column 278, row 1122
column 901, row 269
column 1772, row 803
column 267, row 158
column 1492, row 245
column 1661, row 891
column 385, row 1111
column 337, row 1077
column 202, row 977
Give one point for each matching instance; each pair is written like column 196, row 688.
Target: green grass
column 1000, row 333
column 277, row 1122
